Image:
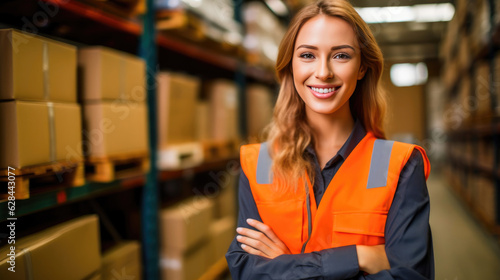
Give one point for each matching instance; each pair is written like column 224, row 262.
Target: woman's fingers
column 253, row 251
column 257, row 235
column 265, row 229
column 255, row 244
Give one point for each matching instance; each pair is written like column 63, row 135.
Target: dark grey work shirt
column 407, row 232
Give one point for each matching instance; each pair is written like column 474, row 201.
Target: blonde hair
column 289, row 134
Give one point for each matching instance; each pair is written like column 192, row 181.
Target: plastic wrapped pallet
column 55, row 126
column 115, row 128
column 34, row 68
column 259, row 109
column 176, row 98
column 223, row 100
column 107, row 74
column 264, row 34
column 123, row 260
column 68, row 251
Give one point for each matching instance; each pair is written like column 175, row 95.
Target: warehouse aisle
column 462, row 249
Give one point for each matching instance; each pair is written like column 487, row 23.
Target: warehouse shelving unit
column 474, row 147
column 81, row 24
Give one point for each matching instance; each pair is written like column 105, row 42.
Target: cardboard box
column 35, row 68
column 259, row 109
column 223, row 102
column 185, row 224
column 191, row 265
column 122, row 260
column 115, row 128
column 222, row 233
column 481, row 26
column 107, row 74
column 226, row 201
column 177, row 95
column 55, row 126
column 202, row 121
column 70, row 250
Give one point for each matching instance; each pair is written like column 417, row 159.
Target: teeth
column 323, row 90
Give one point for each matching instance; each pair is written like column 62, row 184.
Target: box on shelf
column 107, row 74
column 176, row 99
column 486, row 200
column 259, row 109
column 35, row 68
column 67, row 251
column 482, row 92
column 124, row 259
column 115, row 128
column 202, row 121
column 466, row 102
column 185, row 224
column 223, row 101
column 39, row 132
column 226, row 200
column 190, row 265
column 222, row 233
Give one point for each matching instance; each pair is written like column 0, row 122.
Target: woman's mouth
column 323, row 92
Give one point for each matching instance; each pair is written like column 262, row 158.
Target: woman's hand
column 372, row 259
column 261, row 243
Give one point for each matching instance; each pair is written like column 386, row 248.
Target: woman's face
column 326, row 64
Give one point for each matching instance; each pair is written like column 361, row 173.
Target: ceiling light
column 416, row 13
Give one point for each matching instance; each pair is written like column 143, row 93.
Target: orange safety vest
column 354, row 207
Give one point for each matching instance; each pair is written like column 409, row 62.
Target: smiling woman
column 326, row 197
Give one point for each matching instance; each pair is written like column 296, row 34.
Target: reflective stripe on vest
column 354, row 207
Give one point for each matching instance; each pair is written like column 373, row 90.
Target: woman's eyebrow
column 333, row 48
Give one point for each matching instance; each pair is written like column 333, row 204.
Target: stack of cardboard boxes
column 70, row 250
column 113, row 94
column 196, row 233
column 40, row 119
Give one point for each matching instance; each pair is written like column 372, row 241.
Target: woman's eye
column 342, row 56
column 307, row 55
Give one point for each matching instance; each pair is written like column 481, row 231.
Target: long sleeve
column 407, row 233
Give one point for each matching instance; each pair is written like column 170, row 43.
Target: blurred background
column 121, row 122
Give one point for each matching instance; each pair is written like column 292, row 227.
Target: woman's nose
column 324, row 70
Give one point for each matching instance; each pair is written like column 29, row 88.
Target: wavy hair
column 288, row 133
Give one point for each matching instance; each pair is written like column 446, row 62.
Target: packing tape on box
column 45, row 66
column 28, row 264
column 52, row 131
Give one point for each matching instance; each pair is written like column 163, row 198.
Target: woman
column 326, row 197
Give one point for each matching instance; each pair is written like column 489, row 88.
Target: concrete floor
column 463, row 250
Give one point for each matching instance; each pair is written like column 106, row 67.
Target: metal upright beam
column 149, row 213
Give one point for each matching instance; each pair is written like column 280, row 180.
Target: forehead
column 328, row 31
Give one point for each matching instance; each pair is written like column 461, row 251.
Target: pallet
column 180, row 156
column 37, row 178
column 107, row 169
column 217, row 149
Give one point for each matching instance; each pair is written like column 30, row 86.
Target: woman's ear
column 361, row 71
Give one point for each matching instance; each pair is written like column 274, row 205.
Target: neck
column 331, row 130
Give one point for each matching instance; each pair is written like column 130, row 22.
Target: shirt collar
column 357, row 134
